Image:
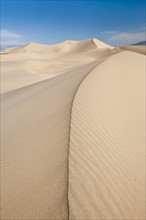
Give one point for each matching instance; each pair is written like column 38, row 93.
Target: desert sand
column 137, row 49
column 72, row 132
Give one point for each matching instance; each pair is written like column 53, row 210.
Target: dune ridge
column 57, row 103
column 33, row 62
column 137, row 49
column 107, row 154
column 66, row 46
column 35, row 145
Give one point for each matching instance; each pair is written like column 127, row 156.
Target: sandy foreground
column 72, row 132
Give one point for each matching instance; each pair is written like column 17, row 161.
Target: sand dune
column 107, row 151
column 72, row 132
column 35, row 136
column 66, row 46
column 32, row 63
column 137, row 49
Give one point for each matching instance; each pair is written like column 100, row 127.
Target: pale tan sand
column 66, row 47
column 35, row 135
column 107, row 148
column 32, row 63
column 137, row 49
column 39, row 83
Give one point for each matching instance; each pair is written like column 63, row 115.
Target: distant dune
column 137, row 49
column 73, row 133
column 33, row 62
column 4, row 47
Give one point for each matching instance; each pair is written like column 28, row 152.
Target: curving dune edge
column 72, row 132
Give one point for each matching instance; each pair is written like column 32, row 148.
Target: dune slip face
column 72, row 132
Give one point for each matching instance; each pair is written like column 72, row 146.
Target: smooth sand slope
column 35, row 136
column 64, row 162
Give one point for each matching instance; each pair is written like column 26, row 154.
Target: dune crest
column 137, row 49
column 65, row 46
column 32, row 63
column 72, row 134
column 107, row 141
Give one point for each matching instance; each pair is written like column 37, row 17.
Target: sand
column 107, row 159
column 137, row 49
column 72, row 132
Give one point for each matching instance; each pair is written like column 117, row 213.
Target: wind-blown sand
column 72, row 132
column 107, row 157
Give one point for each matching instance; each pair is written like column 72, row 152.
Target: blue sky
column 117, row 22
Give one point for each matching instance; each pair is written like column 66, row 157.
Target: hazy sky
column 117, row 22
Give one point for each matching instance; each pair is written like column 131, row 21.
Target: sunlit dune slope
column 72, row 132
